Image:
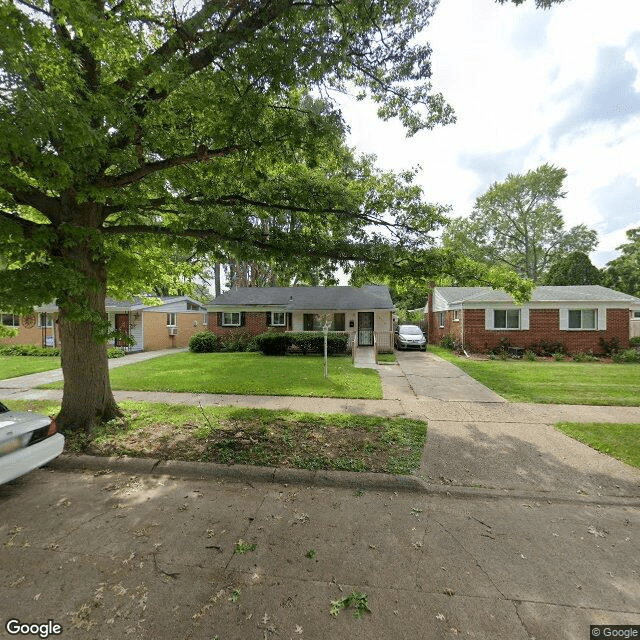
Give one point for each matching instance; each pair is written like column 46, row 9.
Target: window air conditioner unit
column 173, row 331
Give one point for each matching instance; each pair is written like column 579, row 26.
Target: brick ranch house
column 365, row 313
column 577, row 316
column 152, row 326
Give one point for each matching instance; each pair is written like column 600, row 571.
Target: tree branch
column 24, row 223
column 26, row 194
column 260, row 241
column 201, row 155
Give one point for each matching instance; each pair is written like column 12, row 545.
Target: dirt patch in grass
column 260, row 437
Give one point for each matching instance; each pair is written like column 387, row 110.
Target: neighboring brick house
column 39, row 327
column 362, row 312
column 152, row 326
column 577, row 316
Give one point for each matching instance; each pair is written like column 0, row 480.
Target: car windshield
column 410, row 330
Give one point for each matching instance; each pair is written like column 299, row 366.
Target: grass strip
column 620, row 440
column 260, row 437
column 591, row 383
column 13, row 366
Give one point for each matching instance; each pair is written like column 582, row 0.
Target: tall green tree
column 573, row 269
column 518, row 223
column 623, row 272
column 130, row 129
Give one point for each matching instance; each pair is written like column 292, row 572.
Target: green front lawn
column 622, row 441
column 259, row 437
column 593, row 383
column 12, row 366
column 248, row 374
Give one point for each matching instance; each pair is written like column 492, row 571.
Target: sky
column 529, row 87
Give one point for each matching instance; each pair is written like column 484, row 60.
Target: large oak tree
column 131, row 127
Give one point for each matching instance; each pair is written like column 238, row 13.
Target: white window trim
column 456, row 315
column 231, row 313
column 523, row 320
column 581, row 328
column 284, row 319
column 170, row 318
column 601, row 318
column 442, row 320
column 15, row 323
column 49, row 324
column 506, row 320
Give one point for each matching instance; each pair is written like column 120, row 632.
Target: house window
column 315, row 321
column 193, row 307
column 583, row 318
column 231, row 319
column 9, row 320
column 456, row 315
column 171, row 320
column 45, row 320
column 278, row 318
column 636, row 315
column 506, row 318
column 442, row 315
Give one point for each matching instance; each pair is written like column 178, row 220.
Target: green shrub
column 611, row 347
column 203, row 342
column 635, row 341
column 276, row 343
column 546, row 348
column 558, row 356
column 448, row 342
column 628, row 355
column 235, row 342
column 273, row 343
column 28, row 350
column 501, row 349
column 584, row 357
column 313, row 342
column 530, row 355
column 115, row 352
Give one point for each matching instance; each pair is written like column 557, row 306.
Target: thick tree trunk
column 87, row 398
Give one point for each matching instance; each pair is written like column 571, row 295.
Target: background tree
column 623, row 273
column 518, row 223
column 573, row 269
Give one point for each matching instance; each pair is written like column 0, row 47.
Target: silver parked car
column 27, row 441
column 409, row 336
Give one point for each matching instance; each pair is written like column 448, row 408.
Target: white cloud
column 513, row 74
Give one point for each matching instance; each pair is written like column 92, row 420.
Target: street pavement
column 508, row 530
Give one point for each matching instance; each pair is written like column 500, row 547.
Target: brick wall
column 32, row 335
column 436, row 333
column 255, row 322
column 156, row 332
column 545, row 325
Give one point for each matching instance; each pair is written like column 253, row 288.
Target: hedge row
column 278, row 343
column 35, row 350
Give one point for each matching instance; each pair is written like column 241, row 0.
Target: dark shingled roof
column 311, row 298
